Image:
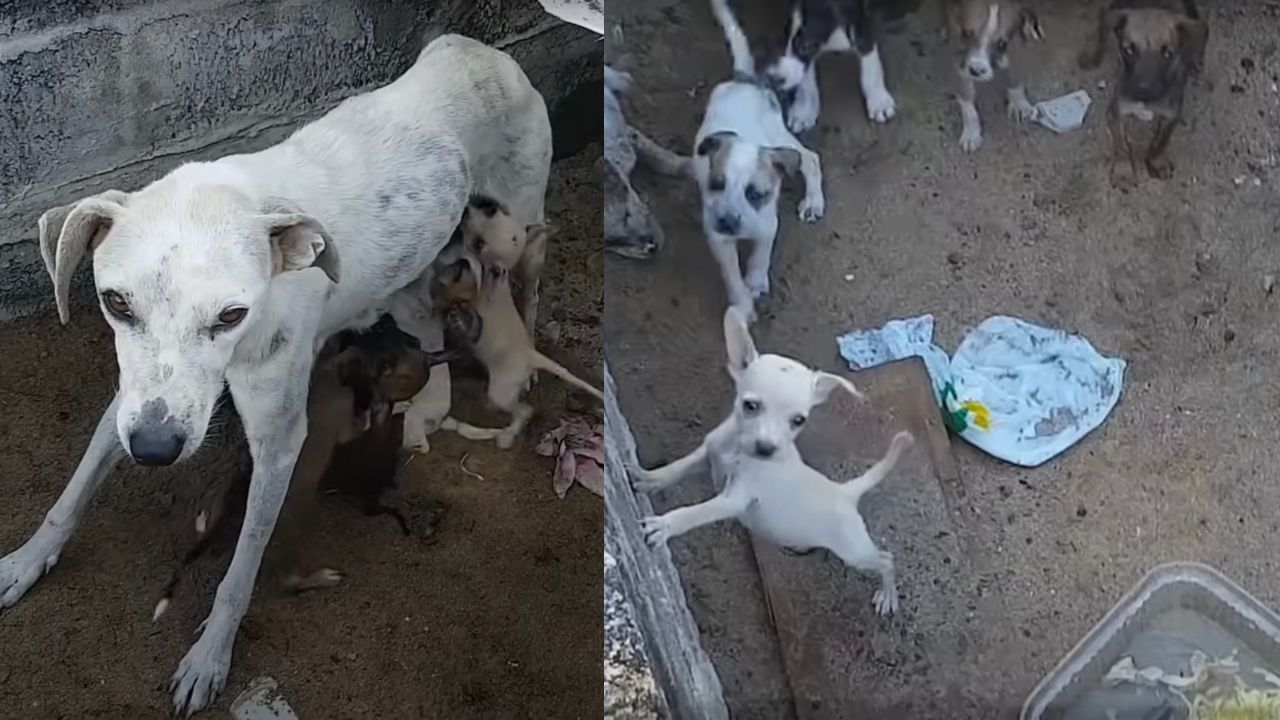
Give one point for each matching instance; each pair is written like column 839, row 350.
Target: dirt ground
column 1169, row 277
column 496, row 615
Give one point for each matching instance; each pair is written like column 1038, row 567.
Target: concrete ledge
column 119, row 95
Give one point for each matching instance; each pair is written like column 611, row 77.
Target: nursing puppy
column 743, row 150
column 1160, row 43
column 818, row 27
column 766, row 484
column 984, row 30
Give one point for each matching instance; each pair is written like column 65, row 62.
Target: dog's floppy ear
column 712, row 142
column 1031, row 25
column 785, row 159
column 67, row 231
column 738, row 343
column 1193, row 36
column 299, row 241
column 824, row 383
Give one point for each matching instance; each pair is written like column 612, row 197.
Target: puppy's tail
column 859, row 486
column 739, row 47
column 542, row 362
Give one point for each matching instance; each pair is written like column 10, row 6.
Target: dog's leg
column 427, row 409
column 20, row 569
column 1158, row 163
column 803, row 113
column 1020, row 108
column 529, row 276
column 725, row 250
column 272, row 407
column 520, row 414
column 1121, row 148
column 658, row 158
column 880, row 104
column 661, row 528
column 856, row 548
column 814, row 203
column 647, row 481
column 758, row 263
column 971, row 124
column 469, row 431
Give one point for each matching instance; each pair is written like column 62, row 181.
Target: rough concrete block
column 115, row 94
column 654, row 598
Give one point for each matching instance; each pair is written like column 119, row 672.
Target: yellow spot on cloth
column 981, row 415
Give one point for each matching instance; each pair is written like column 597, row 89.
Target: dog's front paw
column 881, row 107
column 656, row 530
column 813, row 207
column 202, row 673
column 1021, row 110
column 20, row 569
column 803, row 113
column 758, row 283
column 970, row 140
column 642, row 481
column 1160, row 168
column 885, row 601
column 901, row 442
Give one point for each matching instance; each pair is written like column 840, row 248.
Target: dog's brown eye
column 751, row 406
column 797, row 421
column 1166, row 52
column 966, row 34
column 1002, row 45
column 231, row 317
column 1130, row 49
column 116, row 304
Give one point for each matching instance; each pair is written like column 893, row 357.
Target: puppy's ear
column 67, row 231
column 1193, row 37
column 824, row 383
column 712, row 142
column 1031, row 25
column 786, row 160
column 1116, row 20
column 950, row 20
column 738, row 343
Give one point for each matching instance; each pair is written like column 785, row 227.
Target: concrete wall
column 114, row 93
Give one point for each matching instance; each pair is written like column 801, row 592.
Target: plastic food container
column 1175, row 610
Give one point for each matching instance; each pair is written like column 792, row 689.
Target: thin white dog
column 766, row 484
column 742, row 151
column 226, row 273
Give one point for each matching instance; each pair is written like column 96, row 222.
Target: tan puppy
column 985, row 30
column 504, row 347
column 1161, row 43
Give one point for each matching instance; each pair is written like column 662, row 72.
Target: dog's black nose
column 728, row 224
column 156, row 445
column 765, row 449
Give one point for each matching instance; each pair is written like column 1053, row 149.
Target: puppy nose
column 765, row 449
column 977, row 71
column 156, row 445
column 727, row 224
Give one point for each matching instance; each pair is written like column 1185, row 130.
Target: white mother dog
column 226, row 273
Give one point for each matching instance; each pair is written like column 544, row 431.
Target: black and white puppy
column 743, row 150
column 818, row 27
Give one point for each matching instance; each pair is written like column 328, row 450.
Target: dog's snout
column 728, row 224
column 978, row 71
column 156, row 445
column 765, row 449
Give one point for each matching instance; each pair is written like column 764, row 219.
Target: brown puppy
column 1161, row 43
column 985, row 30
column 357, row 379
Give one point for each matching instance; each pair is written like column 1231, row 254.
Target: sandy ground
column 1170, row 277
column 496, row 615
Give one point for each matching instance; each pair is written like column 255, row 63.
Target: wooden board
column 839, row 655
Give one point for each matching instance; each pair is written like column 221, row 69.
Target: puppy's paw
column 656, row 529
column 881, row 107
column 642, row 480
column 803, row 113
column 1021, row 110
column 813, row 207
column 757, row 283
column 970, row 140
column 901, row 441
column 885, row 601
column 747, row 309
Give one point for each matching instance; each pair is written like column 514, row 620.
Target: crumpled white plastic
column 1019, row 392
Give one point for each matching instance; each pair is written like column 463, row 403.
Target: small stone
column 953, row 258
column 1229, row 336
column 1268, row 283
column 1247, row 64
column 848, row 277
column 1081, row 511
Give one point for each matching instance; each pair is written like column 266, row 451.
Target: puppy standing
column 818, row 27
column 766, row 484
column 1161, row 42
column 985, row 29
column 743, row 150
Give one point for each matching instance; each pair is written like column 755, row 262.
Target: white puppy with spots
column 226, row 274
column 742, row 152
column 766, row 484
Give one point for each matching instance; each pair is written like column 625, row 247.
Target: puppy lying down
column 352, row 445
